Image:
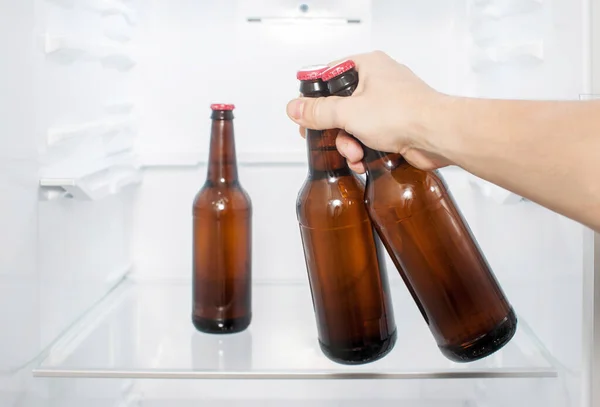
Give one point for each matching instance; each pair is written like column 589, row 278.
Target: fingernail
column 296, row 109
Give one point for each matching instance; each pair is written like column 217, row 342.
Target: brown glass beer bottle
column 222, row 237
column 433, row 248
column 346, row 268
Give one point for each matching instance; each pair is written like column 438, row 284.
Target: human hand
column 391, row 110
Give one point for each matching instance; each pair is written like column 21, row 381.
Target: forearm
column 548, row 152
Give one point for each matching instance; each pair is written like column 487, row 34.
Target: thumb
column 319, row 113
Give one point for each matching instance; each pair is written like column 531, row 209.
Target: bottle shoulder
column 406, row 186
column 322, row 200
column 222, row 198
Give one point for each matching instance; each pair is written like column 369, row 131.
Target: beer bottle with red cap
column 222, row 237
column 346, row 268
column 433, row 248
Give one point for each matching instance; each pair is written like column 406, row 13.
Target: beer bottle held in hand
column 222, row 237
column 346, row 268
column 433, row 248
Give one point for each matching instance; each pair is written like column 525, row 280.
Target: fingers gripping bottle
column 433, row 248
column 346, row 269
column 222, row 237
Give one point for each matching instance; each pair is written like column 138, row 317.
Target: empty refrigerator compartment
column 143, row 329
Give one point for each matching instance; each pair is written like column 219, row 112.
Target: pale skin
column 545, row 151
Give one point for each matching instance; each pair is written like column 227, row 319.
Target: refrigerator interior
column 104, row 132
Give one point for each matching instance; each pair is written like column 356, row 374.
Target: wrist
column 441, row 126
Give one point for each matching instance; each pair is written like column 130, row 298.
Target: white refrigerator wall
column 19, row 298
column 64, row 125
column 84, row 133
column 94, row 89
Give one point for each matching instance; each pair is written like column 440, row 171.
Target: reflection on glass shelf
column 143, row 330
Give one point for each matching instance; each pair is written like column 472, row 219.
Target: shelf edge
column 484, row 374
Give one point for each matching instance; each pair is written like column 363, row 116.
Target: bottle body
column 222, row 240
column 344, row 260
column 438, row 258
column 433, row 248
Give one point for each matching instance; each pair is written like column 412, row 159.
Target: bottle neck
column 324, row 160
column 222, row 163
column 378, row 162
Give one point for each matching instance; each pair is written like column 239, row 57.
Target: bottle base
column 360, row 355
column 485, row 345
column 221, row 326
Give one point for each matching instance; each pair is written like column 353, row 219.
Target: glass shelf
column 143, row 330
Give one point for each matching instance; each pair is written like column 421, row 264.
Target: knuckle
column 379, row 54
column 315, row 109
column 320, row 113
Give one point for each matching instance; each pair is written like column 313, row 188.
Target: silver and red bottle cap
column 337, row 70
column 222, row 106
column 311, row 73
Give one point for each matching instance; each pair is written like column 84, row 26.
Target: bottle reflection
column 231, row 352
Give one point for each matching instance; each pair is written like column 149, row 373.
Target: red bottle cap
column 310, row 73
column 222, row 106
column 337, row 70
